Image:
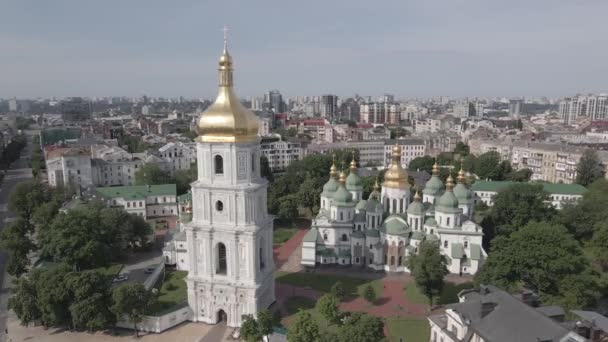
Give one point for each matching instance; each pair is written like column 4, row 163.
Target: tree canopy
column 428, row 267
column 151, row 174
column 360, row 327
column 131, row 300
column 589, row 168
column 303, row 329
column 544, row 258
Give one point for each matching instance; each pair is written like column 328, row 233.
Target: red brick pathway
column 282, row 252
column 391, row 303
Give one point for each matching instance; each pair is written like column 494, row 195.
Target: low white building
column 559, row 194
column 410, row 149
column 280, row 153
column 156, row 203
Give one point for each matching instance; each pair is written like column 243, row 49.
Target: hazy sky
column 304, row 47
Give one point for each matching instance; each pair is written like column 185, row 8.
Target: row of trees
column 37, row 159
column 151, row 174
column 12, row 151
column 302, row 183
column 59, row 297
column 488, row 165
column 535, row 246
column 87, row 236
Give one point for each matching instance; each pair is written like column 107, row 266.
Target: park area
column 398, row 302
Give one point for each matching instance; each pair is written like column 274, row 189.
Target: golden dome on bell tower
column 227, row 120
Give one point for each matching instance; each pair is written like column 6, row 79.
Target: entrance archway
column 222, row 317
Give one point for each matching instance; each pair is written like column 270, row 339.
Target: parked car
column 120, row 278
column 149, row 270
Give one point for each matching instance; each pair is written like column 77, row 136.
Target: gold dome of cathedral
column 227, row 120
column 396, row 176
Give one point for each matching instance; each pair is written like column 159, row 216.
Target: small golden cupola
column 396, row 176
column 227, row 120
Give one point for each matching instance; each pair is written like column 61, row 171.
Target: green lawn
column 280, row 235
column 324, row 282
column 306, row 304
column 172, row 293
column 449, row 293
column 409, row 329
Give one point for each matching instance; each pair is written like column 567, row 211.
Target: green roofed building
column 560, row 194
column 156, row 203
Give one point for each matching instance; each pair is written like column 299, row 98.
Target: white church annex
column 229, row 239
column 384, row 230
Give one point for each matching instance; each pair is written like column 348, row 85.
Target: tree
column 151, row 174
column 54, row 296
column 488, row 166
column 303, row 329
column 328, row 307
column 360, row 327
column 338, row 290
column 422, row 164
column 522, row 175
column 131, row 300
column 589, row 168
column 183, row 178
column 265, row 169
column 14, row 239
column 462, row 149
column 369, row 294
column 598, row 244
column 309, row 194
column 24, row 300
column 26, row 197
column 265, row 322
column 514, row 207
column 542, row 257
column 468, row 163
column 581, row 217
column 250, row 331
column 288, row 207
column 90, row 297
column 429, row 267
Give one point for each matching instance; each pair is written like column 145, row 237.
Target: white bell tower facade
column 230, row 235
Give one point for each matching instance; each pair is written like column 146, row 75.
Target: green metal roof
column 372, row 232
column 475, row 251
column 373, row 205
column 138, row 191
column 416, row 208
column 448, row 203
column 185, row 197
column 417, row 235
column 354, row 182
column 463, row 194
column 432, row 237
column 562, row 189
column 344, row 253
column 361, row 205
column 395, row 225
column 430, row 222
column 433, row 186
column 357, row 235
column 457, row 250
column 359, row 217
column 311, row 235
column 331, row 186
column 342, row 196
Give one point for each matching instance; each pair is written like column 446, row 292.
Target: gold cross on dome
column 225, row 29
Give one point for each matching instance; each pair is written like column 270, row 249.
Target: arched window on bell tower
column 221, row 264
column 219, row 165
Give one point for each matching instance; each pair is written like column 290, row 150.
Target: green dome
column 430, row 222
column 417, row 235
column 434, row 186
column 361, row 205
column 463, row 194
column 330, row 187
column 448, row 203
column 342, row 196
column 395, row 225
column 416, row 208
column 354, row 182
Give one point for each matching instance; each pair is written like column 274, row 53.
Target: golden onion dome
column 461, row 177
column 435, row 171
column 227, row 120
column 396, row 176
column 342, row 178
column 449, row 185
column 333, row 170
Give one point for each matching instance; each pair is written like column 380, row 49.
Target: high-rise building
column 516, row 106
column 592, row 106
column 274, row 101
column 329, row 106
column 229, row 240
column 380, row 112
column 12, row 105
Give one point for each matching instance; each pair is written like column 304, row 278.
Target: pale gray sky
column 408, row 48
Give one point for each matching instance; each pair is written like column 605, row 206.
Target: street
column 18, row 172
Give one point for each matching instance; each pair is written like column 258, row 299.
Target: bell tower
column 230, row 235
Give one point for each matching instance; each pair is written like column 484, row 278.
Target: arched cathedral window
column 221, row 264
column 219, row 165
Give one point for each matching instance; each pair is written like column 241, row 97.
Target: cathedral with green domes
column 382, row 231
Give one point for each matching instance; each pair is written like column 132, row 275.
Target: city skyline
column 412, row 49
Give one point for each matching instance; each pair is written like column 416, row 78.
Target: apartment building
column 555, row 163
column 592, row 106
column 380, row 112
column 559, row 194
column 281, row 153
column 371, row 153
column 179, row 155
column 410, row 149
